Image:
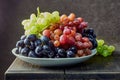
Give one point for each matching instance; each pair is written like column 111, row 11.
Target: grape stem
column 38, row 11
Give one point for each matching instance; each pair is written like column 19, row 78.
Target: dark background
column 102, row 15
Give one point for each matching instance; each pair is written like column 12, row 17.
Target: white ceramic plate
column 54, row 61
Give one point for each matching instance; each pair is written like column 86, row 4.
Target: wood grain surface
column 22, row 70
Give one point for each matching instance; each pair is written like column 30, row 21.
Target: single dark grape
column 23, row 37
column 51, row 45
column 25, row 51
column 46, row 47
column 94, row 42
column 38, row 49
column 94, row 35
column 62, row 53
column 20, row 43
column 90, row 31
column 26, row 42
column 57, row 56
column 73, row 49
column 51, row 54
column 56, row 49
column 46, row 53
column 40, row 54
column 32, row 46
column 70, row 54
column 32, row 54
column 45, row 39
column 38, row 42
column 32, row 37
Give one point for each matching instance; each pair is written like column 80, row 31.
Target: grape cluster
column 37, row 24
column 104, row 49
column 49, row 35
column 91, row 35
column 31, row 46
column 72, row 31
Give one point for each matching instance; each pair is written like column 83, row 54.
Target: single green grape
column 33, row 17
column 105, row 47
column 100, row 42
column 111, row 48
column 25, row 21
column 27, row 32
column 33, row 30
column 100, row 49
column 47, row 15
column 105, row 53
column 27, row 26
column 56, row 16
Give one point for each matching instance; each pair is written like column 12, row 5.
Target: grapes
column 38, row 49
column 48, row 35
column 104, row 49
column 31, row 37
column 80, row 53
column 58, row 31
column 46, row 47
column 56, row 37
column 86, row 45
column 23, row 37
column 111, row 48
column 63, row 39
column 66, row 31
column 71, row 16
column 70, row 54
column 105, row 53
column 100, row 42
column 38, row 42
column 26, row 42
column 51, row 54
column 32, row 54
column 20, row 43
column 25, row 51
column 85, row 39
column 56, row 43
column 71, row 40
column 62, row 53
column 37, row 23
column 32, row 45
column 78, row 37
column 51, row 45
column 73, row 49
column 80, row 19
column 44, row 39
column 63, row 17
column 84, row 24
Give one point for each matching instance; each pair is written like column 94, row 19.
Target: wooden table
column 96, row 68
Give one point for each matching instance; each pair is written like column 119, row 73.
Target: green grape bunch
column 37, row 23
column 103, row 49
